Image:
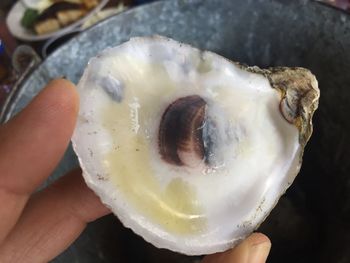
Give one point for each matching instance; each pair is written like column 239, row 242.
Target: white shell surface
column 199, row 210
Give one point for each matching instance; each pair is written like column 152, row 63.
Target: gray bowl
column 311, row 222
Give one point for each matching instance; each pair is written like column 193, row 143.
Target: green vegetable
column 29, row 18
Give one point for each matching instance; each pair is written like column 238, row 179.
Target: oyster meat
column 188, row 149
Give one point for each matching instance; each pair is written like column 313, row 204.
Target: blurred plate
column 58, row 40
column 15, row 15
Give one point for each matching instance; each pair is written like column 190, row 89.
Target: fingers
column 52, row 220
column 31, row 145
column 33, row 142
column 255, row 249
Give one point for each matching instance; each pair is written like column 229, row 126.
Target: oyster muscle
column 188, row 149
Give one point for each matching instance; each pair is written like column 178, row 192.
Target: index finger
column 32, row 144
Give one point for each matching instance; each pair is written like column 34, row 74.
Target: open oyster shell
column 189, row 150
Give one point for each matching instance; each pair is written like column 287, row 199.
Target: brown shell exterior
column 299, row 88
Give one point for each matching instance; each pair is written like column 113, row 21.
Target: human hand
column 36, row 227
column 254, row 249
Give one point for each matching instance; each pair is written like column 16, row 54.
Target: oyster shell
column 189, row 150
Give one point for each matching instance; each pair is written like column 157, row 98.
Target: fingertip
column 258, row 238
column 259, row 246
column 61, row 82
column 56, row 107
column 254, row 249
column 57, row 101
column 63, row 95
column 44, row 126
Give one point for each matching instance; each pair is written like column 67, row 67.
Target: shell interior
column 188, row 149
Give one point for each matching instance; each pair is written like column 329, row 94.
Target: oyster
column 189, row 150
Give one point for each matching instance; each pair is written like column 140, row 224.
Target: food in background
column 57, row 15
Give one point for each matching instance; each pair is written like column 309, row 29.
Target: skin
column 31, row 145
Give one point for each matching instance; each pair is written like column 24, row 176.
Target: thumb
column 255, row 249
